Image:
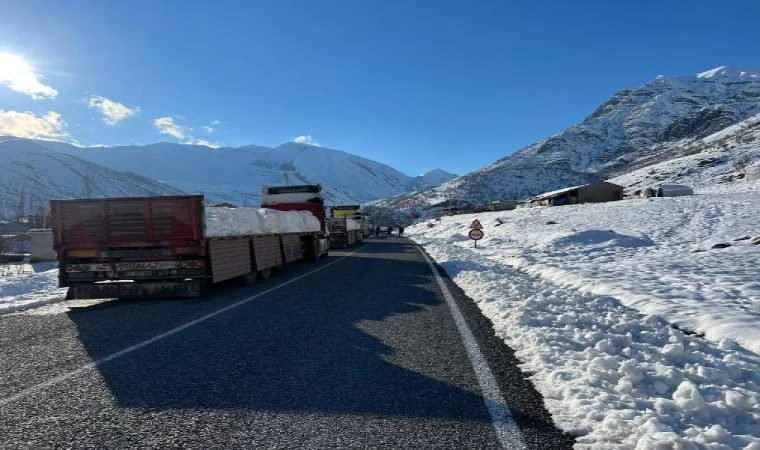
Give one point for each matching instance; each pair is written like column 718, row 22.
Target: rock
column 551, row 222
column 743, row 238
column 721, row 245
column 755, row 240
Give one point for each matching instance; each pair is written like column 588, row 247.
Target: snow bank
column 593, row 299
column 241, row 221
column 31, row 286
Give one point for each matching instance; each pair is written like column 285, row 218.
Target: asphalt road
column 358, row 350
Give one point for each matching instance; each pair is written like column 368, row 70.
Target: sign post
column 476, row 231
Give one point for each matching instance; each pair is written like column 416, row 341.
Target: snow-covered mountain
column 434, row 178
column 236, row 174
column 32, row 174
column 637, row 127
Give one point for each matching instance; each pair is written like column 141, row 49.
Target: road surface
column 364, row 349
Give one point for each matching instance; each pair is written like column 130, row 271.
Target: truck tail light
column 185, row 250
column 83, row 253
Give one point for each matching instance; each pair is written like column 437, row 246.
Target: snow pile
column 29, row 286
column 593, row 299
column 242, row 221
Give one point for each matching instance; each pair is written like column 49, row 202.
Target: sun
column 12, row 66
column 19, row 76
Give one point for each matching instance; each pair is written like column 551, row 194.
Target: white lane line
column 65, row 376
column 504, row 425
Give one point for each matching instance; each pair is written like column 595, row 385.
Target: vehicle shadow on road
column 363, row 336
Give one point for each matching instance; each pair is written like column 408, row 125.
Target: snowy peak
column 729, row 72
column 435, row 177
column 636, row 127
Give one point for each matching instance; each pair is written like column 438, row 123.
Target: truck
column 138, row 247
column 345, row 229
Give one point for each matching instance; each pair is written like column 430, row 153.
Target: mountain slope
column 39, row 174
column 237, row 174
column 635, row 128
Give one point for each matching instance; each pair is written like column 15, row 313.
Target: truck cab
column 305, row 197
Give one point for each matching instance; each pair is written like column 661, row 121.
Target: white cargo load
column 222, row 221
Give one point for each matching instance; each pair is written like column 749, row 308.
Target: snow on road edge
column 610, row 375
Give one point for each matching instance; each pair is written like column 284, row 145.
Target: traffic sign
column 476, row 234
column 476, row 225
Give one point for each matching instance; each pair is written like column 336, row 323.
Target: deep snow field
column 637, row 332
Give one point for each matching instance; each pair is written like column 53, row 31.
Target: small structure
column 587, row 193
column 15, row 243
column 502, row 205
column 666, row 190
column 41, row 248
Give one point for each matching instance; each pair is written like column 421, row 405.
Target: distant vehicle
column 155, row 247
column 346, row 226
column 666, row 190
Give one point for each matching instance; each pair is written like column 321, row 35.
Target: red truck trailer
column 155, row 247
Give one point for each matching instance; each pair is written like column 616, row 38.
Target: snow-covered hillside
column 724, row 157
column 237, row 174
column 37, row 174
column 636, row 127
column 639, row 331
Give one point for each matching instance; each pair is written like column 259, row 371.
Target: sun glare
column 12, row 66
column 18, row 75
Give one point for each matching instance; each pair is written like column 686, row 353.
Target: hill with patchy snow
column 33, row 174
column 664, row 119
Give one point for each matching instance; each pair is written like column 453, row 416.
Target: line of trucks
column 170, row 246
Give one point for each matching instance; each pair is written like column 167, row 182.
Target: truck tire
column 265, row 274
column 312, row 253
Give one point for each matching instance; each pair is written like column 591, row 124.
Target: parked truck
column 157, row 247
column 345, row 229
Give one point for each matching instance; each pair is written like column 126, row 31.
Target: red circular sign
column 476, row 234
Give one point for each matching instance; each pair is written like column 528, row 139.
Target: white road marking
column 65, row 376
column 504, row 425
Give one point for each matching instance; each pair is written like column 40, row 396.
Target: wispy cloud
column 167, row 125
column 28, row 125
column 207, row 129
column 113, row 112
column 216, row 122
column 306, row 139
column 17, row 75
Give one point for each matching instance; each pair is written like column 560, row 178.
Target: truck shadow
column 363, row 336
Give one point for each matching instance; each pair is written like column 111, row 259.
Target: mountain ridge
column 635, row 127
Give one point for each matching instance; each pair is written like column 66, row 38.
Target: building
column 587, row 193
column 503, row 205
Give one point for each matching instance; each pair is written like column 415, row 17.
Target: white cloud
column 306, row 139
column 28, row 125
column 216, row 122
column 203, row 142
column 207, row 129
column 20, row 77
column 167, row 125
column 113, row 112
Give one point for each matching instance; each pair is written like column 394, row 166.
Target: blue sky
column 414, row 84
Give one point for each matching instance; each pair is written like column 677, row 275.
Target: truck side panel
column 292, row 247
column 229, row 257
column 266, row 251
